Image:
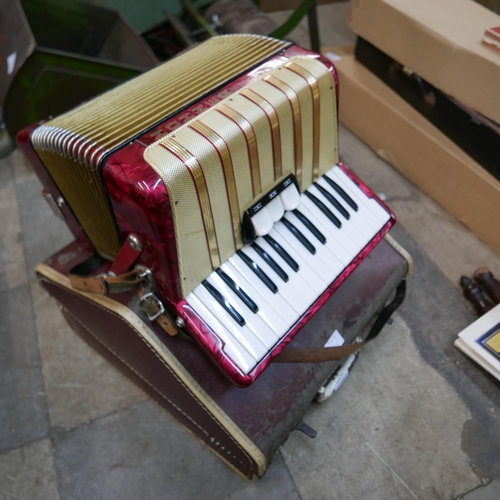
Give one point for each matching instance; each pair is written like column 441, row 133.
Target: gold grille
column 72, row 145
column 208, row 165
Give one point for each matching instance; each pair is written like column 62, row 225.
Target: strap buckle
column 152, row 306
column 146, row 275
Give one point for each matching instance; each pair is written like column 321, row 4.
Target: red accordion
column 216, row 175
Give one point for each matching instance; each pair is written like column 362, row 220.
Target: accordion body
column 193, row 157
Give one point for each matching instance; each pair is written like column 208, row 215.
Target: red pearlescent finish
column 141, row 205
column 212, row 344
column 23, row 140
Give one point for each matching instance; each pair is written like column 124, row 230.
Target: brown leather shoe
column 488, row 283
column 475, row 296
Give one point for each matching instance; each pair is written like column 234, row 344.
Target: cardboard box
column 406, row 140
column 440, row 40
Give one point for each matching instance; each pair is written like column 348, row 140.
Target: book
column 481, row 341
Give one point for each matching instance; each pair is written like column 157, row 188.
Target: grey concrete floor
column 416, row 419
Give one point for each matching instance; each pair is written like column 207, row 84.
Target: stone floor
column 416, row 419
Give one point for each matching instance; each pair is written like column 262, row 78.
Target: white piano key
column 315, row 280
column 284, row 289
column 363, row 220
column 368, row 209
column 333, row 266
column 282, row 307
column 258, row 326
column 316, row 263
column 295, row 277
column 242, row 334
column 344, row 239
column 333, row 237
column 275, row 209
column 347, row 226
column 290, row 197
column 267, row 309
column 343, row 179
column 262, row 222
column 232, row 347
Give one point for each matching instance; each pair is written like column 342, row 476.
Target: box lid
column 440, row 40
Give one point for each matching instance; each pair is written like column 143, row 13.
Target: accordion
column 222, row 166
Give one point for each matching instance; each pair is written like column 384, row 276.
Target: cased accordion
column 223, row 164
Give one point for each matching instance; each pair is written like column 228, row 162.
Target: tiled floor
column 416, row 419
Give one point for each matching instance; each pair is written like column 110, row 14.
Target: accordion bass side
column 224, row 164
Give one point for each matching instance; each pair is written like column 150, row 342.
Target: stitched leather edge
column 402, row 251
column 251, row 473
column 170, row 362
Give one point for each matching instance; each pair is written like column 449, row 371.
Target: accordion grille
column 73, row 144
column 85, row 194
column 219, row 164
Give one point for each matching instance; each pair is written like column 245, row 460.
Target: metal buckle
column 147, row 275
column 145, row 306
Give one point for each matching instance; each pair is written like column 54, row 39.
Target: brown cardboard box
column 405, row 139
column 440, row 40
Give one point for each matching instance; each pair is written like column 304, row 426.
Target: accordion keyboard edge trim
column 213, row 345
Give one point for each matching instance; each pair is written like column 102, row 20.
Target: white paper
column 467, row 341
column 11, row 62
column 335, row 340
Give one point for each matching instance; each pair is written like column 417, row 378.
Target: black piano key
column 323, row 208
column 258, row 271
column 342, row 193
column 314, row 230
column 238, row 291
column 309, row 246
column 282, row 253
column 224, row 303
column 332, row 200
column 271, row 262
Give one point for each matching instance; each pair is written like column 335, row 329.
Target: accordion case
column 243, row 426
column 221, row 166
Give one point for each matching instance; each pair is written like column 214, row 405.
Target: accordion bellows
column 74, row 145
column 220, row 163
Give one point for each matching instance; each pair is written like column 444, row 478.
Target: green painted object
column 56, row 54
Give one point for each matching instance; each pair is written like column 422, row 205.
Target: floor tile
column 23, row 171
column 7, row 168
column 489, row 492
column 80, row 384
column 392, row 431
column 143, row 453
column 436, row 312
column 12, row 264
column 23, row 412
column 43, row 233
column 28, row 473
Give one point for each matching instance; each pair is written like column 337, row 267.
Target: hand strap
column 321, row 354
column 104, row 284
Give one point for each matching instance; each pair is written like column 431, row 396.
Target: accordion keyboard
column 259, row 293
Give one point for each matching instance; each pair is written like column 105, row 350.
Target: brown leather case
column 245, row 427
